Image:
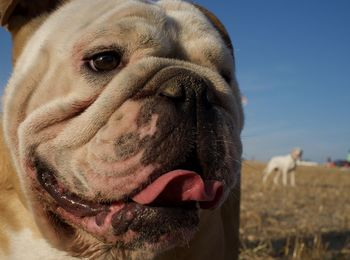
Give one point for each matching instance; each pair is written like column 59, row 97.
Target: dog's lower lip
column 122, row 217
column 65, row 199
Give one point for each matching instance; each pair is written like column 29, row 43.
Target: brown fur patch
column 7, row 190
column 14, row 215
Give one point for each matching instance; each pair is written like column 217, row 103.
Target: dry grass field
column 310, row 221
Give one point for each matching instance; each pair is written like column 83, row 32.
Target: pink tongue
column 182, row 185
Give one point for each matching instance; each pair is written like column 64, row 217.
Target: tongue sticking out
column 181, row 185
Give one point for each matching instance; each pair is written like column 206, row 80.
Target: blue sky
column 293, row 64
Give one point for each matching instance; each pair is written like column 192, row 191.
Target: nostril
column 173, row 91
column 188, row 89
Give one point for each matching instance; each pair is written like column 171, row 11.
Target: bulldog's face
column 124, row 121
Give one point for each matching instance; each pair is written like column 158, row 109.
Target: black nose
column 187, row 88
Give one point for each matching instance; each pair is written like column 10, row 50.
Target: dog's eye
column 105, row 61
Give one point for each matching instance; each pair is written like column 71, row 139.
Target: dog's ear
column 6, row 8
column 218, row 25
column 16, row 13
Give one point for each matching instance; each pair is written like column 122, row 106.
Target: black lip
column 154, row 221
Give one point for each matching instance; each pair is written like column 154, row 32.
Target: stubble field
column 310, row 221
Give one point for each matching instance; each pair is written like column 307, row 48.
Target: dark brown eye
column 105, row 61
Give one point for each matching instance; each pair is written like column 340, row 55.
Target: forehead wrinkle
column 120, row 20
column 145, row 28
column 140, row 32
column 137, row 36
column 107, row 14
column 150, row 12
column 204, row 39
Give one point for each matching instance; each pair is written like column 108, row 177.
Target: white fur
column 284, row 165
column 24, row 245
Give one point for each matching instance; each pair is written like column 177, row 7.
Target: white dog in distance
column 284, row 165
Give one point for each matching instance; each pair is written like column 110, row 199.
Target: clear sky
column 293, row 64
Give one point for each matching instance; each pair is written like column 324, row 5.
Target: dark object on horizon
column 341, row 163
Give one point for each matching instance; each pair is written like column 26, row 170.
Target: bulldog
column 122, row 123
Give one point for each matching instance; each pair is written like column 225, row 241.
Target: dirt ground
column 310, row 221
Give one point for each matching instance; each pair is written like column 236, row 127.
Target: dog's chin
column 134, row 227
column 124, row 225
